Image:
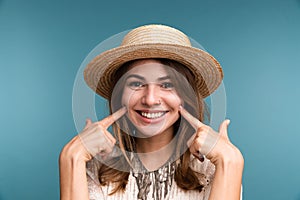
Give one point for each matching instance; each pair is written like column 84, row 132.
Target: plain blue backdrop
column 43, row 43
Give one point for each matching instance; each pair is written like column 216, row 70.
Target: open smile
column 151, row 114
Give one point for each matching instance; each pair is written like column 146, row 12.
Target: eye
column 135, row 85
column 167, row 86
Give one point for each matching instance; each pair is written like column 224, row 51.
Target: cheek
column 129, row 98
column 125, row 97
column 175, row 100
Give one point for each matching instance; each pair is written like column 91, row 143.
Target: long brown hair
column 184, row 176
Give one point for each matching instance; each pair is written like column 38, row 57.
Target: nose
column 151, row 95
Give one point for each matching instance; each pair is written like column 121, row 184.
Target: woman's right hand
column 94, row 139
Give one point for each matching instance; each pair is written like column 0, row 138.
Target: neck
column 155, row 151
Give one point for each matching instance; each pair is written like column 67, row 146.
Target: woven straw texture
column 154, row 41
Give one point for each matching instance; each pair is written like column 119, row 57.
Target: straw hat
column 154, row 41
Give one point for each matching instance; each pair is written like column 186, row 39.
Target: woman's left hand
column 215, row 146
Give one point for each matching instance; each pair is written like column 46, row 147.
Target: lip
column 154, row 120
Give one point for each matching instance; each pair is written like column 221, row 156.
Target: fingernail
column 200, row 157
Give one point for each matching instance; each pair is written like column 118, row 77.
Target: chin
column 147, row 132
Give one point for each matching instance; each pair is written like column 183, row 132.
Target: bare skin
column 226, row 157
column 73, row 158
column 149, row 89
column 215, row 145
column 223, row 154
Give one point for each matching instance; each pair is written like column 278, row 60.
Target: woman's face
column 150, row 97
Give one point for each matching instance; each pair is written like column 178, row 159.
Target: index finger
column 106, row 122
column 190, row 118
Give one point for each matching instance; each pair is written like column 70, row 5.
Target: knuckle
column 197, row 144
column 99, row 126
column 204, row 129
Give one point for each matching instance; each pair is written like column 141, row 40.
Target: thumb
column 88, row 122
column 223, row 129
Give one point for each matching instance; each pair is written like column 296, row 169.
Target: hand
column 215, row 146
column 93, row 140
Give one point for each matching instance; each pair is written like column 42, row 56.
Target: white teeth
column 152, row 115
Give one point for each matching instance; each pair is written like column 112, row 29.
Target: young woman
column 159, row 147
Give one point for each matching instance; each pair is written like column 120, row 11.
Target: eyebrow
column 142, row 78
column 163, row 78
column 135, row 76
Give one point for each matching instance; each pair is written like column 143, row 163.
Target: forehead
column 150, row 69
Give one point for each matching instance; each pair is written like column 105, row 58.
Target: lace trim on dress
column 158, row 182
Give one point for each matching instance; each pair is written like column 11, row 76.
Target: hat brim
column 99, row 73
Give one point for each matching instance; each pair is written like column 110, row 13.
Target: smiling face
column 150, row 98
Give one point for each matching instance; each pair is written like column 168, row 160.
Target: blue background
column 43, row 43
